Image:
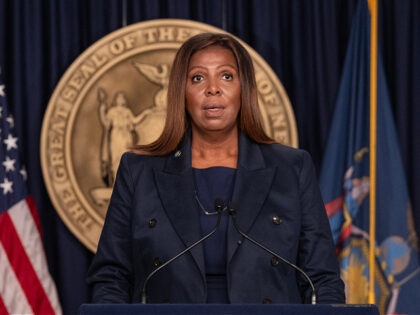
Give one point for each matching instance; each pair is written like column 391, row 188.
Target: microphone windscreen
column 219, row 204
column 232, row 209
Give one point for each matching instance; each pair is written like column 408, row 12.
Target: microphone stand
column 232, row 213
column 219, row 205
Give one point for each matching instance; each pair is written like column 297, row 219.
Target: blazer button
column 152, row 223
column 266, row 301
column 276, row 220
column 274, row 261
column 157, row 262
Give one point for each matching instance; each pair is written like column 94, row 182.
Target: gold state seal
column 114, row 96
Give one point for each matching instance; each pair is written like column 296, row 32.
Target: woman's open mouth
column 213, row 110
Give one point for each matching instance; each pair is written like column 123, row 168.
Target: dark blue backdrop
column 304, row 41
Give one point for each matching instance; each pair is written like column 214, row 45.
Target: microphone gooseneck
column 219, row 206
column 232, row 213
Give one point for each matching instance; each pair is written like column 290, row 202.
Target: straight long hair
column 177, row 119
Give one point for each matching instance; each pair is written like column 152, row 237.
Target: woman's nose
column 212, row 88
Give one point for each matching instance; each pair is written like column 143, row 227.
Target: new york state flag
column 345, row 186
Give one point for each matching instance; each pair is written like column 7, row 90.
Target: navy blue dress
column 212, row 183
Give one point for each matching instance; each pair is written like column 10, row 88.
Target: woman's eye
column 197, row 78
column 227, row 76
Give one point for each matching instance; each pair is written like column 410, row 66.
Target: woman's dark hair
column 177, row 119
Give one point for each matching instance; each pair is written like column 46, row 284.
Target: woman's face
column 213, row 92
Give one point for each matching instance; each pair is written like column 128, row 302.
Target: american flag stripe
column 32, row 207
column 21, row 215
column 13, row 299
column 23, row 268
column 3, row 309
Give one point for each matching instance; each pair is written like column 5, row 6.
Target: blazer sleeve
column 316, row 253
column 111, row 270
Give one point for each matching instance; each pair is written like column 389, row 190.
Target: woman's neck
column 214, row 149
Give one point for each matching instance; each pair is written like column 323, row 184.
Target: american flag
column 26, row 286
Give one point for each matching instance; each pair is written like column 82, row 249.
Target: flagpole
column 373, row 7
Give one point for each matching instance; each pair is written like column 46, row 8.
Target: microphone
column 232, row 213
column 219, row 206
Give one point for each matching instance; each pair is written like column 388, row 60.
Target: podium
column 227, row 309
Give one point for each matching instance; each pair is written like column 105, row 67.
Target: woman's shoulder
column 277, row 153
column 132, row 159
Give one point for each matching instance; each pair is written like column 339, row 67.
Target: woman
column 213, row 146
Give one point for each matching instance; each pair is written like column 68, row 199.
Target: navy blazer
column 153, row 216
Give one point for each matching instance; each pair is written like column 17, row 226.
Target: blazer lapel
column 176, row 189
column 252, row 184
